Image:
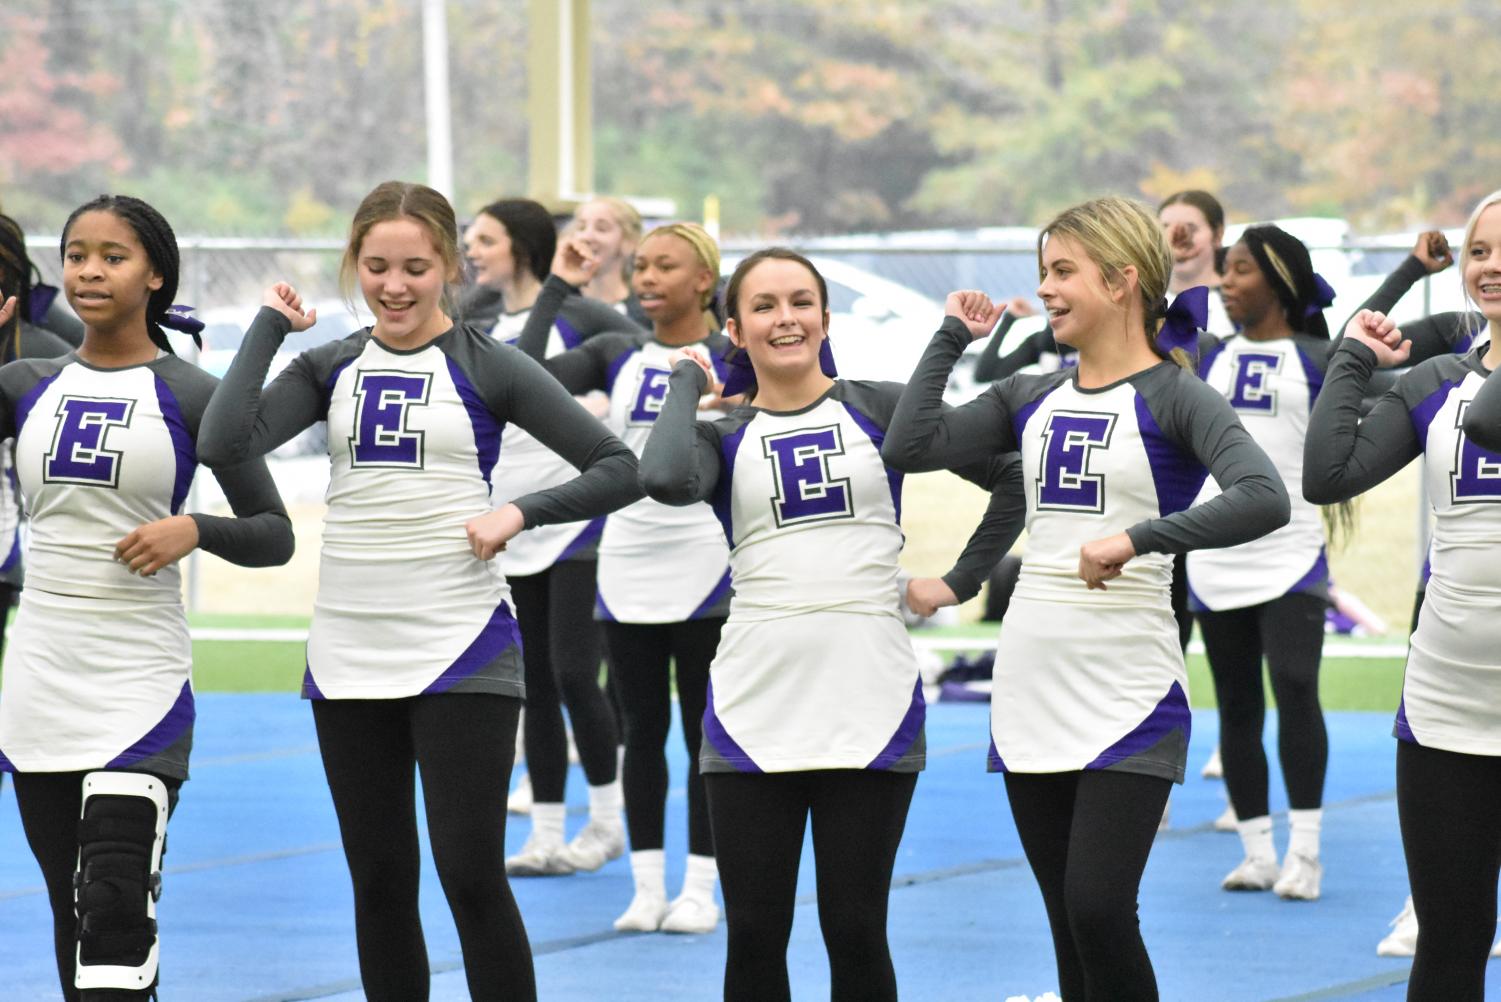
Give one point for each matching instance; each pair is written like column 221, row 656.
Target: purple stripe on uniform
column 168, row 731
column 6, row 765
column 718, row 595
column 906, row 733
column 729, row 448
column 1422, row 414
column 487, row 430
column 877, row 435
column 1169, row 715
column 602, row 611
column 613, row 372
column 310, row 688
column 499, row 635
column 1207, row 362
column 993, row 760
column 14, row 556
column 1401, row 728
column 1195, row 603
column 719, row 739
column 1024, row 414
column 1177, row 475
column 1317, row 576
column 182, row 443
column 1314, row 376
column 328, row 387
column 29, row 398
column 569, row 333
column 591, row 532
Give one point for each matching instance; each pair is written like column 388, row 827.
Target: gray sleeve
column 243, row 420
column 1344, row 455
column 1252, row 501
column 37, row 342
column 990, row 366
column 515, row 388
column 532, row 341
column 923, row 435
column 680, row 463
column 997, row 532
column 1438, row 334
column 590, row 316
column 260, row 533
column 19, row 378
column 1483, row 418
column 64, row 323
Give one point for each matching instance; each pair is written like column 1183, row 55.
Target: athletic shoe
column 539, row 859
column 1213, row 767
column 691, row 915
column 1227, row 821
column 520, row 799
column 595, row 845
column 1252, row 874
column 1300, row 878
column 644, row 915
column 1496, row 949
column 1403, row 939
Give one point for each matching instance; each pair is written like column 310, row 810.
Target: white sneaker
column 691, row 915
column 1166, row 821
column 595, row 845
column 1403, row 939
column 1253, row 874
column 1300, row 878
column 1213, row 767
column 520, row 799
column 539, row 859
column 644, row 915
column 1226, row 822
column 1496, row 949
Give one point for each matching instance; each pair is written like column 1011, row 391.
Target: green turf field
column 267, row 666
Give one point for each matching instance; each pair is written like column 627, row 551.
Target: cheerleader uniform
column 663, row 586
column 1089, row 713
column 97, row 670
column 407, row 619
column 815, row 702
column 1448, row 723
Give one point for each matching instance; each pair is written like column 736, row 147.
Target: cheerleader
column 413, row 659
column 611, row 227
column 815, row 701
column 664, row 579
column 1090, row 713
column 1448, row 753
column 96, row 710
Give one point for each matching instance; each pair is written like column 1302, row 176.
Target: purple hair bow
column 1323, row 296
column 179, row 318
column 39, row 302
column 742, row 375
column 1188, row 314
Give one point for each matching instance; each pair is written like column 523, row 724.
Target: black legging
column 858, row 818
column 1290, row 632
column 639, row 658
column 561, row 644
column 463, row 746
column 50, row 803
column 1178, row 594
column 1449, row 805
column 1087, row 836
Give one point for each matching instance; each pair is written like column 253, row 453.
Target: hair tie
column 742, row 375
column 1323, row 296
column 1183, row 319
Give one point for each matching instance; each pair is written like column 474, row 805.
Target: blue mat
column 257, row 905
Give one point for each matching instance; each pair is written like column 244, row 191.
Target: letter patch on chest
column 651, row 391
column 382, row 403
column 1477, row 472
column 78, row 455
column 1249, row 391
column 1068, row 441
column 800, row 472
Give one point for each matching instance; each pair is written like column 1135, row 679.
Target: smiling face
column 1249, row 298
column 107, row 275
column 596, row 225
column 1074, row 292
column 402, row 276
column 669, row 279
column 487, row 245
column 1482, row 264
column 780, row 319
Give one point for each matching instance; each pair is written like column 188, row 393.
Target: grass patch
column 248, row 666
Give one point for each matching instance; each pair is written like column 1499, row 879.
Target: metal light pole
column 435, row 90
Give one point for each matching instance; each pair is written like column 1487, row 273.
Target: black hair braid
column 15, row 266
column 160, row 244
column 1300, row 301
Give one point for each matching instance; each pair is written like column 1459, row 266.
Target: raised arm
column 680, row 463
column 1344, row 455
column 923, row 435
column 243, row 420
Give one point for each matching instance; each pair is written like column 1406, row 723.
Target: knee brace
column 121, row 835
